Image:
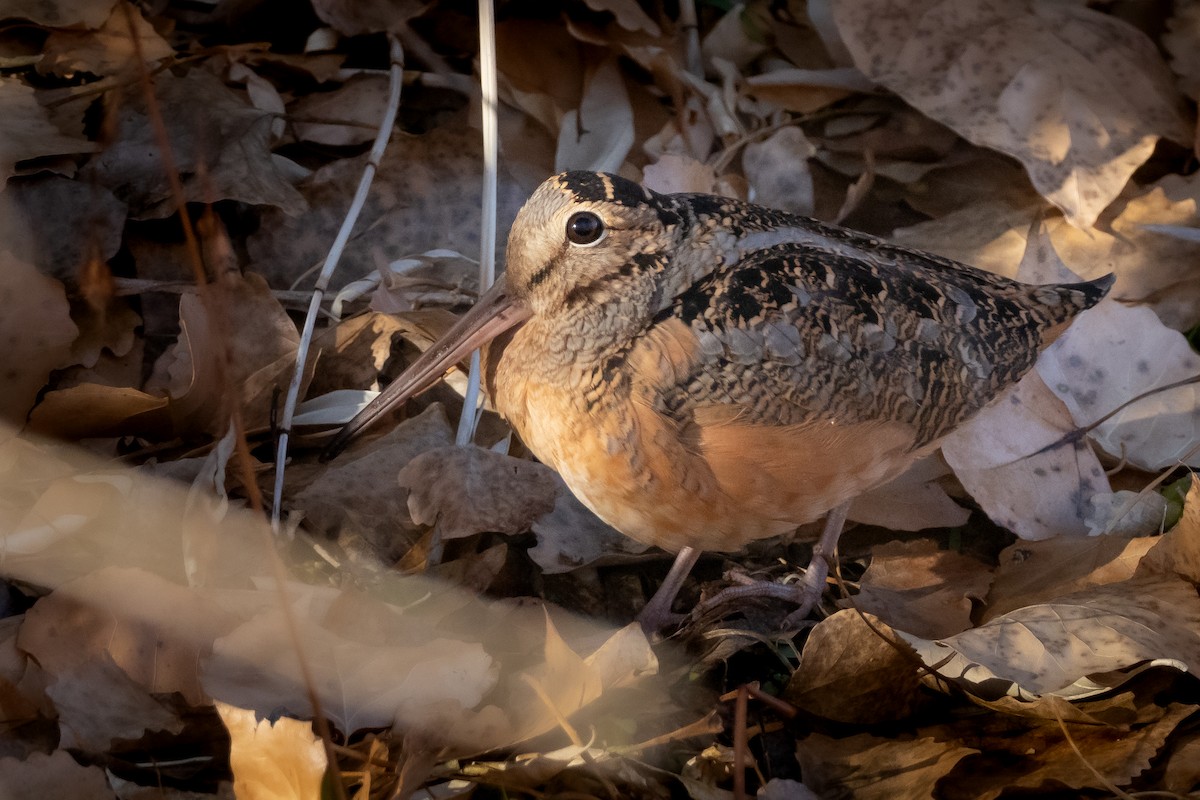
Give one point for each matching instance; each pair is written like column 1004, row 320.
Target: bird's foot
column 656, row 616
column 805, row 594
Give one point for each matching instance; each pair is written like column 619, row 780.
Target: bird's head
column 586, row 236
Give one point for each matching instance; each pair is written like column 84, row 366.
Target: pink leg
column 808, row 592
column 657, row 615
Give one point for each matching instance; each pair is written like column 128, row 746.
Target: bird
column 704, row 372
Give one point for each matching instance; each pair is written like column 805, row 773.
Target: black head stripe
column 601, row 187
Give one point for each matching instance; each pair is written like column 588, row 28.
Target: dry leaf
column 36, row 333
column 219, row 141
column 153, row 630
column 28, row 130
column 55, row 775
column 1001, row 459
column 1177, row 552
column 1031, row 573
column 469, row 490
column 55, row 212
column 777, row 169
column 671, row 174
column 598, row 134
column 570, row 536
column 1081, row 122
column 1112, row 354
column 281, row 760
column 918, row 588
column 243, row 339
column 1049, row 647
column 866, row 767
column 425, row 196
column 849, row 674
column 354, row 109
column 91, row 410
column 911, row 502
column 97, row 702
column 105, row 51
column 1033, row 758
column 357, row 496
column 354, row 17
column 1180, row 40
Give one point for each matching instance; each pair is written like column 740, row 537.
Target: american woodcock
column 703, row 372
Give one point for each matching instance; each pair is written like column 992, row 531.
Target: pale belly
column 740, row 484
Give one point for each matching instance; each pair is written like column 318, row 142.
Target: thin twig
column 741, row 744
column 331, row 261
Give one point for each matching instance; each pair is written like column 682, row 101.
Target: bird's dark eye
column 584, row 228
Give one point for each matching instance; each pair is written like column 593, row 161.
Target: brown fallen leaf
column 1052, row 647
column 36, row 333
column 921, row 589
column 106, row 50
column 272, row 760
column 866, row 767
column 55, row 775
column 469, row 490
column 1016, row 755
column 849, row 674
column 1037, row 572
column 91, row 410
column 356, row 496
column 1177, row 552
column 105, row 615
column 240, row 350
column 219, row 142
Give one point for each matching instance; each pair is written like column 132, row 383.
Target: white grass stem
column 386, row 124
column 487, row 237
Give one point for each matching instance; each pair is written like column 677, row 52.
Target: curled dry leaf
column 1051, row 647
column 599, row 134
column 853, row 674
column 1081, row 121
column 1177, row 552
column 243, row 338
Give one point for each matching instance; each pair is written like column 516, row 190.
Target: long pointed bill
column 495, row 313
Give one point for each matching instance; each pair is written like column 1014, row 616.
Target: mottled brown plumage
column 703, row 372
